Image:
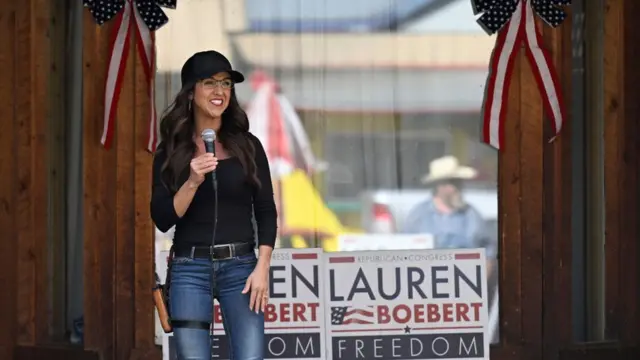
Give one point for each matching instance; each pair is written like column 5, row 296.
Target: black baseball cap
column 205, row 64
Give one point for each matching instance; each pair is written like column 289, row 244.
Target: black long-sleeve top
column 237, row 199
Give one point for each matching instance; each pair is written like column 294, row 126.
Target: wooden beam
column 531, row 207
column 599, row 351
column 520, row 207
column 8, row 165
column 124, row 193
column 613, row 88
column 119, row 235
column 535, row 204
column 622, row 111
column 510, row 217
column 99, row 173
column 58, row 129
column 54, row 353
column 31, row 120
column 625, row 151
column 557, row 201
column 26, row 116
column 144, row 229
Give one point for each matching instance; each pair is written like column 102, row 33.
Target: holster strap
column 190, row 324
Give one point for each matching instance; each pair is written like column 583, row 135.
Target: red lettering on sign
column 283, row 312
column 296, row 312
column 429, row 313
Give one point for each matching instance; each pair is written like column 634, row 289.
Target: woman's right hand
column 201, row 165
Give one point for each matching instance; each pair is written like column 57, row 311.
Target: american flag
column 346, row 315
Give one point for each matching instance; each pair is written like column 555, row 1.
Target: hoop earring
column 190, row 101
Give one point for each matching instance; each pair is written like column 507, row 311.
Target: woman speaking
column 214, row 239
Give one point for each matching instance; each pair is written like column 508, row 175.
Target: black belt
column 220, row 252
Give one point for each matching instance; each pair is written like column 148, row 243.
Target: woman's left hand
column 258, row 285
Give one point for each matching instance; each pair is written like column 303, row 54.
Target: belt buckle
column 232, row 251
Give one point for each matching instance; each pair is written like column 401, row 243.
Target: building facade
column 568, row 210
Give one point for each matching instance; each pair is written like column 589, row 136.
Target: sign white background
column 364, row 242
column 356, row 330
column 290, row 331
column 434, row 335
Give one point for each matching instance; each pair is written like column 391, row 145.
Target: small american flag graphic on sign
column 346, row 315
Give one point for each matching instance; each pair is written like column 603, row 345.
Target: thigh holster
column 161, row 297
column 162, row 300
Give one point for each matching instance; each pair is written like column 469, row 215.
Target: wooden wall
column 25, row 67
column 535, row 190
column 535, row 200
column 118, row 233
column 622, row 164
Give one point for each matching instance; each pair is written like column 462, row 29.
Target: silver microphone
column 209, row 136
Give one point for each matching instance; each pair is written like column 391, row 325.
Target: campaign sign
column 368, row 242
column 294, row 317
column 400, row 305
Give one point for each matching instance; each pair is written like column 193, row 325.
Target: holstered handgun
column 161, row 297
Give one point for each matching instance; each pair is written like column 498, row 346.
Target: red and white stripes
column 119, row 53
column 520, row 28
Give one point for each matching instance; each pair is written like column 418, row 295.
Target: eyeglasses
column 212, row 83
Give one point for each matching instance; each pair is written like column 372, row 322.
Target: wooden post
column 118, row 233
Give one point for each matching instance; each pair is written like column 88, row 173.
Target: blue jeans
column 191, row 301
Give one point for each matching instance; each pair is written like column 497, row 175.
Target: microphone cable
column 213, row 243
column 209, row 137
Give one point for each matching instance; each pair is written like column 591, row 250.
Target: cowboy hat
column 447, row 168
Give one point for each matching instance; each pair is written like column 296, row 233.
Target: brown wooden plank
column 25, row 236
column 7, row 183
column 614, row 76
column 557, row 203
column 599, row 351
column 99, row 196
column 510, row 217
column 124, row 147
column 57, row 139
column 144, row 229
column 107, row 201
column 621, row 171
column 531, row 192
column 41, row 116
column 506, row 352
column 54, row 353
column 92, row 64
column 152, row 353
column 630, row 205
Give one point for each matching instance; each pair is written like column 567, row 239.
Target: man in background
column 453, row 223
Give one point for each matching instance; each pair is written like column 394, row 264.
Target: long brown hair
column 178, row 126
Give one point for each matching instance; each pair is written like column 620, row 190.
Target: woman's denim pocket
column 247, row 259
